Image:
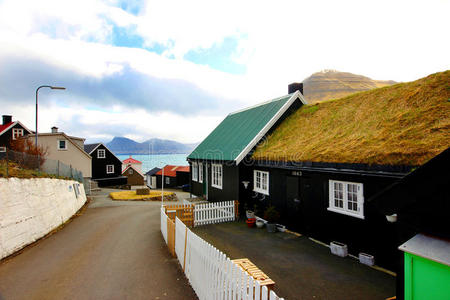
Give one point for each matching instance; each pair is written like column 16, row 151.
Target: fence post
column 7, row 164
column 185, row 243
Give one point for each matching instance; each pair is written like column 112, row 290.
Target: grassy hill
column 402, row 124
column 331, row 84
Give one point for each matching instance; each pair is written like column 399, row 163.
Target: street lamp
column 37, row 92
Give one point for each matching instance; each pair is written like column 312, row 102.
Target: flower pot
column 281, row 228
column 366, row 259
column 259, row 224
column 392, row 218
column 271, row 227
column 250, row 214
column 338, row 249
column 251, row 222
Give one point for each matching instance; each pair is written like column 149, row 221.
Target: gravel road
column 115, row 250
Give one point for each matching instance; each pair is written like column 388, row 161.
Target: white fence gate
column 211, row 273
column 211, row 213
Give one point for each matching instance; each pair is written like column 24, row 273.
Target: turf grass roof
column 404, row 124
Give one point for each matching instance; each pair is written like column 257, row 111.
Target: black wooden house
column 319, row 163
column 417, row 204
column 218, row 164
column 322, row 164
column 106, row 167
column 10, row 131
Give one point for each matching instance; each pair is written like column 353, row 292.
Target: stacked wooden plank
column 251, row 269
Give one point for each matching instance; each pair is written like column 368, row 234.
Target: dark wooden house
column 174, row 176
column 10, row 131
column 218, row 164
column 320, row 166
column 150, row 178
column 319, row 163
column 134, row 176
column 418, row 204
column 183, row 175
column 106, row 167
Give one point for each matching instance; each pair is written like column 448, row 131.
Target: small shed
column 134, row 177
column 427, row 267
column 150, row 178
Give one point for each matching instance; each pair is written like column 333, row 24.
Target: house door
column 294, row 205
column 205, row 181
column 153, row 182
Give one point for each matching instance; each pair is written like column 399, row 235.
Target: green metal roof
column 241, row 130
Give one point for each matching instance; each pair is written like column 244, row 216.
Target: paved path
column 113, row 251
column 300, row 268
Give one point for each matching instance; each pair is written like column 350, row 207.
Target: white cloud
column 103, row 125
column 278, row 43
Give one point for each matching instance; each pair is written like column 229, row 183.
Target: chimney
column 54, row 129
column 6, row 119
column 293, row 87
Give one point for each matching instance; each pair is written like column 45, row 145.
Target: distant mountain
column 121, row 145
column 331, row 84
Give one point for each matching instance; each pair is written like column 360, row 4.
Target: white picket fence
column 211, row 213
column 211, row 273
column 164, row 224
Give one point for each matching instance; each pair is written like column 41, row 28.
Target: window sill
column 217, row 187
column 344, row 212
column 261, row 192
column 62, row 149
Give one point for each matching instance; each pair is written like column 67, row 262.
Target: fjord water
column 149, row 161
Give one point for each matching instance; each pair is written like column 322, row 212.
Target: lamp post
column 37, row 93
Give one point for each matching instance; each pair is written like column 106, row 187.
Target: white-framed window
column 62, row 145
column 216, row 176
column 261, row 182
column 16, row 133
column 200, row 172
column 3, row 149
column 109, row 169
column 167, row 179
column 194, row 171
column 346, row 198
column 101, row 153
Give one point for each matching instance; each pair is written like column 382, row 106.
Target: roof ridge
column 260, row 104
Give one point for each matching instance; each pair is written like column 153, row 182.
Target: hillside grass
column 402, row 124
column 15, row 170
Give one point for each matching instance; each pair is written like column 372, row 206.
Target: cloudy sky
column 173, row 69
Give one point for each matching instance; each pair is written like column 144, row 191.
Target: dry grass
column 403, row 124
column 15, row 170
column 131, row 195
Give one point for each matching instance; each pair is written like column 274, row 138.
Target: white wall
column 31, row 208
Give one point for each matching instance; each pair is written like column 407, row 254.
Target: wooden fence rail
column 185, row 212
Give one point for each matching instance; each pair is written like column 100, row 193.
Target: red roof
column 3, row 127
column 131, row 160
column 171, row 170
column 186, row 169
